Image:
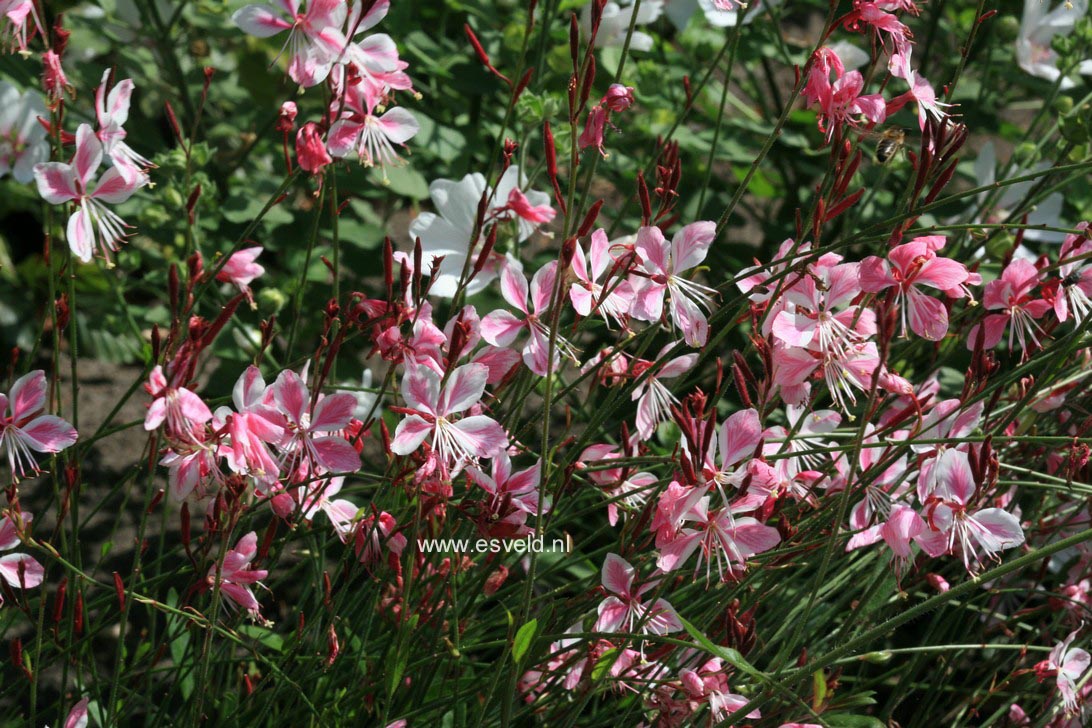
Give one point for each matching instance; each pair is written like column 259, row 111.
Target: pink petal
column 928, row 316
column 410, row 434
column 28, row 395
column 33, row 573
column 336, row 455
column 333, row 412
column 875, row 274
column 739, row 437
column 617, row 575
column 480, row 435
column 259, row 21
column 115, row 186
column 464, row 388
column 612, row 615
column 953, row 475
column 88, row 154
column 56, row 182
column 500, row 328
column 81, row 234
column 514, row 286
column 291, row 395
column 653, row 249
column 691, row 244
column 942, row 273
column 47, row 434
column 399, row 125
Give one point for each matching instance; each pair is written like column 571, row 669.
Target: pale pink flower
column 720, row 535
column 253, row 426
column 112, row 111
column 732, row 448
column 520, row 488
column 236, row 576
column 1067, row 665
column 368, row 135
column 663, row 264
column 183, row 411
column 908, row 267
column 24, row 426
column 19, row 570
column 92, row 222
column 654, row 399
column 241, row 269
column 1011, row 295
column 432, row 408
column 624, row 610
column 952, row 526
column 308, row 441
column 587, row 294
column 315, row 37
column 14, row 15
column 500, row 328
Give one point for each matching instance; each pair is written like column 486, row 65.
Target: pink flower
column 718, row 535
column 14, row 14
column 625, row 609
column 252, row 427
column 241, row 268
column 1067, row 665
column 18, row 570
column 371, row 137
column 732, row 449
column 654, row 399
column 59, row 183
column 236, row 576
column 500, row 328
column 311, row 149
column 841, row 101
column 594, row 128
column 315, row 38
column 990, row 530
column 431, row 408
column 664, row 263
column 77, row 717
column 184, row 412
column 526, row 210
column 1075, row 274
column 520, row 488
column 112, row 111
column 587, row 294
column 907, row 268
column 618, row 97
column 24, row 427
column 373, row 533
column 1011, row 294
column 307, row 442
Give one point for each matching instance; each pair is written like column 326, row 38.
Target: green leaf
column 844, row 720
column 266, row 637
column 524, row 636
column 404, row 181
column 732, row 657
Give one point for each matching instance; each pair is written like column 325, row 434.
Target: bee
column 888, row 145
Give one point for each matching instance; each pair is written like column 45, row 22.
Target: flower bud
column 311, row 149
column 618, row 97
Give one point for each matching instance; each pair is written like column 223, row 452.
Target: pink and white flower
column 24, row 426
column 236, row 577
column 663, row 264
column 432, row 408
column 93, row 221
column 624, row 609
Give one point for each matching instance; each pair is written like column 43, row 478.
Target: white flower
column 447, row 232
column 1048, row 212
column 22, row 139
column 1038, row 28
column 680, row 11
column 614, row 25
